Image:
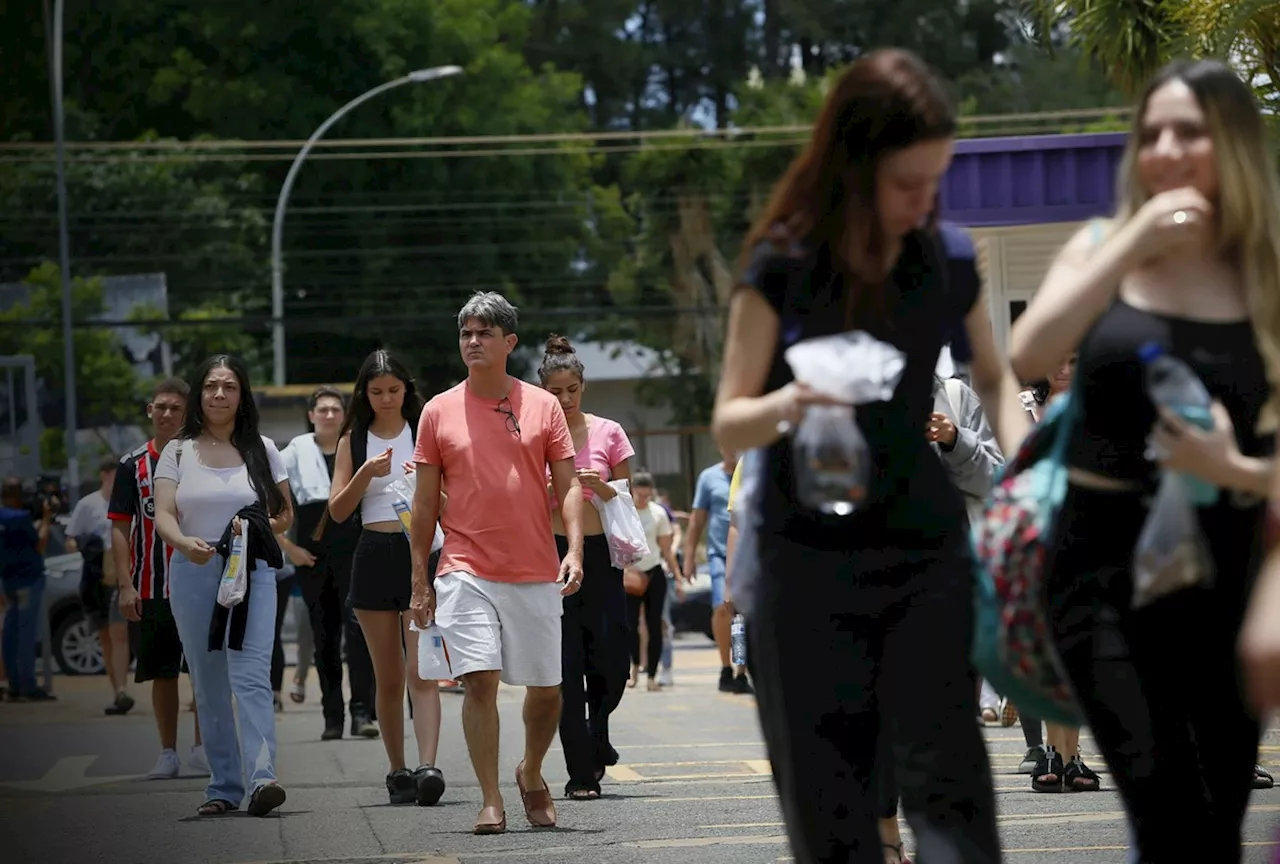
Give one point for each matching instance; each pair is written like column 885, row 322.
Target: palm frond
column 1131, row 39
column 1212, row 27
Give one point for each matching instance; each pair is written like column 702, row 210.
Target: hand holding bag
column 622, row 527
column 235, row 577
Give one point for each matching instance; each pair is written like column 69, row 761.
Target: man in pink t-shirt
column 497, row 596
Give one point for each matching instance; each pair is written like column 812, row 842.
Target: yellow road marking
column 688, row 764
column 760, row 766
column 623, row 774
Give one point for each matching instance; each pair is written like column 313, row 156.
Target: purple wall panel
column 1036, row 179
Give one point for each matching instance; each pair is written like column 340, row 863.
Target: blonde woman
column 1190, row 262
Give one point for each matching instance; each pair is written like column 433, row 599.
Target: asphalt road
column 693, row 788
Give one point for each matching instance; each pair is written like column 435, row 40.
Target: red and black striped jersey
column 133, row 501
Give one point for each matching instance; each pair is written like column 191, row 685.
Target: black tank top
column 1116, row 413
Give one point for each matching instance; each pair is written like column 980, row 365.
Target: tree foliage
column 383, row 245
column 107, row 385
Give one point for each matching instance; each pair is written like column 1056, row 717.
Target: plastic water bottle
column 1171, row 384
column 738, row 641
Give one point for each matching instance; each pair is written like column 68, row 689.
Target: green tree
column 1131, row 39
column 138, row 214
column 107, row 385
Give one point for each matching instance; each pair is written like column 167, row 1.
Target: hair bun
column 557, row 344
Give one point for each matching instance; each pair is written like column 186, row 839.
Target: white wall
column 1014, row 261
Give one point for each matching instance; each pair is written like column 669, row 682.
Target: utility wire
column 1074, row 114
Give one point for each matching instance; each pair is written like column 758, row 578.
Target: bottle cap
column 1151, row 351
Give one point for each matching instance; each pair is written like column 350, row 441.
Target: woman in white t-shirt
column 219, row 465
column 658, row 533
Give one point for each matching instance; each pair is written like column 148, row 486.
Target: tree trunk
column 773, row 63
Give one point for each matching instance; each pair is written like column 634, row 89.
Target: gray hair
column 491, row 308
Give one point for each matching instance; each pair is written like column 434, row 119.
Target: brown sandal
column 491, row 821
column 538, row 806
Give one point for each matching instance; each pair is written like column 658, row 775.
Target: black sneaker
column 742, row 686
column 332, row 731
column 38, row 695
column 429, row 785
column 400, row 787
column 363, row 727
column 1033, row 757
column 726, row 680
column 123, row 705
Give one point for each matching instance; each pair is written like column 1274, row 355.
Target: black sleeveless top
column 912, row 505
column 1117, row 414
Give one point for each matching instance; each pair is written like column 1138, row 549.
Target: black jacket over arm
column 262, row 547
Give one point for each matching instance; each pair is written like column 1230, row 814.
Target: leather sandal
column 491, row 821
column 538, row 806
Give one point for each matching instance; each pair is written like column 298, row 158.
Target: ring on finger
column 1179, row 216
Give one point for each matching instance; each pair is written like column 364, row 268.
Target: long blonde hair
column 1248, row 209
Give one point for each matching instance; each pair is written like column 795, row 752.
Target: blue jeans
column 670, row 635
column 21, row 632
column 219, row 675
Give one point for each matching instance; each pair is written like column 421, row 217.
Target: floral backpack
column 1014, row 541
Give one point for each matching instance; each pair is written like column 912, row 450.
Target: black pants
column 653, row 599
column 1033, row 730
column 594, row 662
column 1159, row 686
column 284, row 589
column 325, row 588
column 836, row 651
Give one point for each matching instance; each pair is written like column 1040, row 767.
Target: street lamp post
column 277, row 227
column 53, row 31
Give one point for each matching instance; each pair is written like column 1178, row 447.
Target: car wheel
column 76, row 648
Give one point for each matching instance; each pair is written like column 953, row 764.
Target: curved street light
column 277, row 228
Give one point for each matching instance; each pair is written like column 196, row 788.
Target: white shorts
column 501, row 626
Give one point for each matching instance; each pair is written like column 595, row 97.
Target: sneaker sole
column 266, row 799
column 430, row 790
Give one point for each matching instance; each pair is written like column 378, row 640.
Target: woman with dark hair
column 594, row 627
column 324, row 567
column 848, row 242
column 375, row 447
column 216, row 470
column 1188, row 267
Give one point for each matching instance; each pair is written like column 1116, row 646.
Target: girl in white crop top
column 376, row 504
column 383, row 419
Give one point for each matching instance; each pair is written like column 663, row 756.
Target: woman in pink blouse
column 595, row 655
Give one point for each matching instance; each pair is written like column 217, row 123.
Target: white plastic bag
column 404, row 489
column 744, row 569
column 1172, row 553
column 833, row 462
column 235, row 577
column 622, row 528
column 433, row 659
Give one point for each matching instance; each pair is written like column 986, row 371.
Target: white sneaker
column 664, row 677
column 196, row 760
column 167, row 766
